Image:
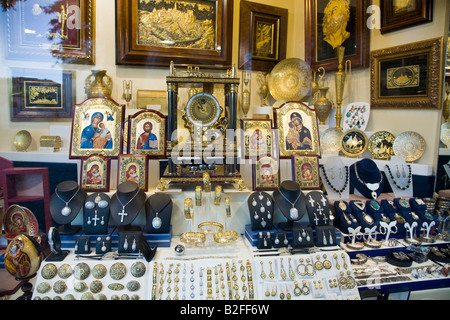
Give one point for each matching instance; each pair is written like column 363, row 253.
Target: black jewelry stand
column 344, row 217
column 391, row 210
column 125, row 192
column 375, row 210
column 66, row 190
column 260, row 206
column 96, row 220
column 57, row 253
column 161, row 204
column 291, row 190
column 303, row 237
column 326, row 236
column 318, row 209
column 361, row 214
column 421, row 210
column 368, row 173
column 405, row 211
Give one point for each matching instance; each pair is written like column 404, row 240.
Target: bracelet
column 195, row 238
column 198, row 196
column 210, row 224
column 218, row 195
column 228, row 207
column 226, row 237
column 188, row 209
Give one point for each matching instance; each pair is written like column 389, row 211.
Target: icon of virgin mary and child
column 96, row 135
column 298, row 136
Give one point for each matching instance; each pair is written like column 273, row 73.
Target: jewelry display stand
column 426, row 235
column 291, row 202
column 65, row 204
column 387, row 229
column 344, row 217
column 318, row 209
column 399, row 176
column 158, row 209
column 366, row 178
column 336, row 179
column 391, row 211
column 303, row 237
column 126, row 203
column 261, row 208
column 420, row 208
column 359, row 211
column 404, row 209
column 355, row 245
column 96, row 214
column 411, row 233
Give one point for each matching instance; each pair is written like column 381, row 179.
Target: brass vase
column 323, row 105
column 98, row 84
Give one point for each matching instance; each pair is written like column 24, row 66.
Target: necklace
column 156, row 221
column 293, row 212
column 373, row 187
column 66, row 211
column 339, row 191
column 123, row 213
column 395, row 182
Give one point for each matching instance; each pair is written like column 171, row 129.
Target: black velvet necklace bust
column 66, row 202
column 126, row 203
column 318, row 209
column 292, row 203
column 96, row 213
column 158, row 211
column 366, row 178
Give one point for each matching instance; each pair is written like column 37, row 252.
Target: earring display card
column 103, row 245
column 83, row 245
column 129, row 241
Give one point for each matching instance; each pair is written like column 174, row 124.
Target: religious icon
column 133, row 168
column 266, row 174
column 95, row 171
column 257, row 137
column 305, row 170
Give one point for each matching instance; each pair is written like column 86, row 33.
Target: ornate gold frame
column 297, row 162
column 247, row 125
column 432, row 99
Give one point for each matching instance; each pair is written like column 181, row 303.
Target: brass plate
column 330, row 140
column 354, row 143
column 410, row 145
column 381, row 145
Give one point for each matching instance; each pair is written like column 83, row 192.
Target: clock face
column 203, row 110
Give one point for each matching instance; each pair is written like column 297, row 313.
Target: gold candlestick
column 340, row 79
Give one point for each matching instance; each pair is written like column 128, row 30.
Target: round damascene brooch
column 138, row 269
column 99, row 271
column 81, row 271
column 49, row 271
column 65, row 271
column 118, row 271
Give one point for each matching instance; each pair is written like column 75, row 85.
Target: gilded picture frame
column 298, row 130
column 89, row 136
column 147, row 134
column 202, row 36
column 319, row 53
column 41, row 95
column 51, row 30
column 266, row 174
column 305, row 171
column 95, row 173
column 134, row 168
column 262, row 36
column 396, row 15
column 408, row 76
column 257, row 138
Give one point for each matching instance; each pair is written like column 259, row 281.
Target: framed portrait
column 320, row 50
column 147, row 134
column 257, row 137
column 305, row 171
column 97, row 128
column 400, row 14
column 266, row 174
column 41, row 95
column 262, row 36
column 134, row 168
column 155, row 33
column 52, row 29
column 95, row 173
column 408, row 76
column 298, row 132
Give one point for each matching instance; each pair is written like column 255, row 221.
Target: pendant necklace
column 123, row 213
column 293, row 212
column 373, row 187
column 66, row 211
column 156, row 221
column 339, row 191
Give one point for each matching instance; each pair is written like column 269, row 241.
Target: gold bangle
column 201, row 227
column 226, row 237
column 228, row 207
column 218, row 195
column 195, row 238
column 188, row 209
column 207, row 182
column 198, row 196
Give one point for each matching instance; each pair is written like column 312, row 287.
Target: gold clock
column 202, row 110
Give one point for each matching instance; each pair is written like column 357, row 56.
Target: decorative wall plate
column 354, row 143
column 330, row 140
column 19, row 220
column 381, row 145
column 356, row 116
column 410, row 145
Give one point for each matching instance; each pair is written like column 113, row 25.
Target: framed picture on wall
column 263, row 36
column 400, row 14
column 95, row 173
column 319, row 52
column 408, row 76
column 305, row 171
column 41, row 95
column 51, row 29
column 97, row 128
column 134, row 168
column 266, row 174
column 155, row 33
column 257, row 137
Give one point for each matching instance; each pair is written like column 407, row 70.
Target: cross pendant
column 95, row 218
column 122, row 214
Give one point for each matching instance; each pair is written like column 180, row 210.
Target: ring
column 201, row 227
column 195, row 238
column 198, row 196
column 226, row 237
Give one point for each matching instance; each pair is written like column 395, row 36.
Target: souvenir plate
column 20, row 220
column 356, row 116
column 330, row 140
column 410, row 145
column 381, row 145
column 354, row 143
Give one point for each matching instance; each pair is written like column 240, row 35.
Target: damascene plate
column 354, row 143
column 330, row 140
column 410, row 145
column 381, row 145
